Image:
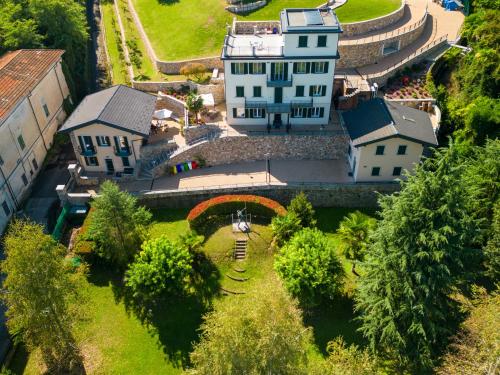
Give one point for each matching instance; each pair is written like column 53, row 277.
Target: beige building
column 32, row 92
column 108, row 129
column 386, row 139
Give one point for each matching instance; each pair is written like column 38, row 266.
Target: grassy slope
column 118, row 343
column 182, row 29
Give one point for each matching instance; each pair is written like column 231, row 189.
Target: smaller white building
column 386, row 139
column 108, row 128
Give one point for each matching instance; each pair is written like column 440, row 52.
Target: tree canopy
column 40, row 295
column 118, row 224
column 303, row 209
column 261, row 333
column 309, row 267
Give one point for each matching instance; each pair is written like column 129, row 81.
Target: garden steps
column 239, row 270
column 235, row 278
column 240, row 249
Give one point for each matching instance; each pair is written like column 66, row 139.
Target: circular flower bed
column 217, row 210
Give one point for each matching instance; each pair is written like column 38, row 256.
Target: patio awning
column 208, row 100
column 162, row 114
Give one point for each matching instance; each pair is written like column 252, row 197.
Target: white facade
column 281, row 73
column 384, row 160
column 26, row 133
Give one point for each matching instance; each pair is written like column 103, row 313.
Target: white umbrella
column 162, row 114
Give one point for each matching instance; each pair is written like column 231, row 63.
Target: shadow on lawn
column 334, row 319
column 174, row 320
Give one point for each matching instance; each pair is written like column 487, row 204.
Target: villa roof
column 119, row 106
column 376, row 119
column 300, row 20
column 20, row 73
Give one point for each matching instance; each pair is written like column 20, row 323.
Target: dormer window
column 302, row 41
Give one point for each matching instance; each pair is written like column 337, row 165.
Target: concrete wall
column 227, row 150
column 363, row 27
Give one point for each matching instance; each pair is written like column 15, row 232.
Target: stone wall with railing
column 194, row 132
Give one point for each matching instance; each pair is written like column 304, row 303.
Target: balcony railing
column 122, row 151
column 279, row 107
column 273, row 81
column 255, row 103
column 302, row 103
column 88, row 151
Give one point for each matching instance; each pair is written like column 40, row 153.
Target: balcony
column 279, row 107
column 279, row 81
column 122, row 151
column 302, row 103
column 255, row 103
column 88, row 151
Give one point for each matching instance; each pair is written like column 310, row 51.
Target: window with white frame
column 320, row 67
column 239, row 68
column 257, row 68
column 316, row 90
column 298, row 112
column 316, row 112
column 257, row 113
column 301, row 67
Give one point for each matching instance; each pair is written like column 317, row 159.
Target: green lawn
column 115, row 339
column 182, row 29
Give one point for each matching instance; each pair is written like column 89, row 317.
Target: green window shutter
column 323, row 90
column 233, row 68
column 240, row 91
column 273, row 69
column 247, row 113
column 285, row 70
column 246, row 68
column 322, row 112
column 98, row 140
column 250, row 68
column 299, row 91
column 302, row 41
column 264, row 68
column 326, row 66
column 308, row 67
column 309, row 111
column 310, row 91
column 294, row 68
column 234, row 113
column 263, row 113
column 321, row 40
column 313, row 68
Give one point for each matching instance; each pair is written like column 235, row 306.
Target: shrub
column 301, row 207
column 83, row 243
column 196, row 70
column 284, row 227
column 214, row 211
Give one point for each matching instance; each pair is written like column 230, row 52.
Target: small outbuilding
column 385, row 139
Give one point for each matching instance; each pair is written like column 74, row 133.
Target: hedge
column 217, row 210
column 83, row 244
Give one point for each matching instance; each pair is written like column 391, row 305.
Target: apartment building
column 280, row 73
column 32, row 92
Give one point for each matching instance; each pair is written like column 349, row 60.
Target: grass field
column 114, row 340
column 182, row 29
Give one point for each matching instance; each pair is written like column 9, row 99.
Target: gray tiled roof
column 377, row 119
column 119, row 106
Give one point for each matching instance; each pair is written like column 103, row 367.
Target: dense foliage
column 353, row 235
column 118, row 224
column 475, row 349
column 161, row 267
column 40, row 295
column 303, row 209
column 261, row 333
column 309, row 267
column 470, row 101
column 57, row 24
column 284, row 227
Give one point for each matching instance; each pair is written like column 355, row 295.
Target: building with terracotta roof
column 32, row 92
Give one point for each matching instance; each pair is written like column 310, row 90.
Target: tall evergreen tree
column 304, row 210
column 40, row 296
column 416, row 262
column 118, row 224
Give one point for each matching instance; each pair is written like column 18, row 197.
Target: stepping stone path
column 240, row 249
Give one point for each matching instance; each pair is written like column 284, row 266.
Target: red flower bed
column 223, row 205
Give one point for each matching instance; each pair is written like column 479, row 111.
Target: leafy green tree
column 416, row 262
column 261, row 333
column 481, row 120
column 194, row 104
column 309, row 267
column 40, row 296
column 304, row 210
column 475, row 349
column 191, row 241
column 284, row 227
column 492, row 248
column 346, row 360
column 118, row 224
column 162, row 267
column 17, row 30
column 353, row 234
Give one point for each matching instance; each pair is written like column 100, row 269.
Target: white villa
column 281, row 73
column 32, row 93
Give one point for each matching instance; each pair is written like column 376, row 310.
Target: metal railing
column 272, row 81
column 88, row 151
column 250, row 50
column 387, row 35
column 122, row 151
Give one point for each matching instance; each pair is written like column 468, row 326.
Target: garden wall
column 174, row 67
column 197, row 131
column 237, row 149
column 217, row 90
column 363, row 27
column 332, row 195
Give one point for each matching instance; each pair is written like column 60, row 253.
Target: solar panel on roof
column 313, row 18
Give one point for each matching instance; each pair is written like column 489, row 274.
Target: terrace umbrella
column 162, row 114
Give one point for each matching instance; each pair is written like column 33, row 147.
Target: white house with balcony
column 280, row 73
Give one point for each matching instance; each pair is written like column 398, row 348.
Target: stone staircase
column 240, row 249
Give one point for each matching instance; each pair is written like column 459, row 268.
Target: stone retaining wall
column 357, row 55
column 363, row 27
column 331, row 195
column 237, row 149
column 174, row 67
column 173, row 104
column 149, row 151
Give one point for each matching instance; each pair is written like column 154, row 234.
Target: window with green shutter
column 240, row 91
column 302, row 41
column 321, row 40
column 299, row 90
column 257, row 91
